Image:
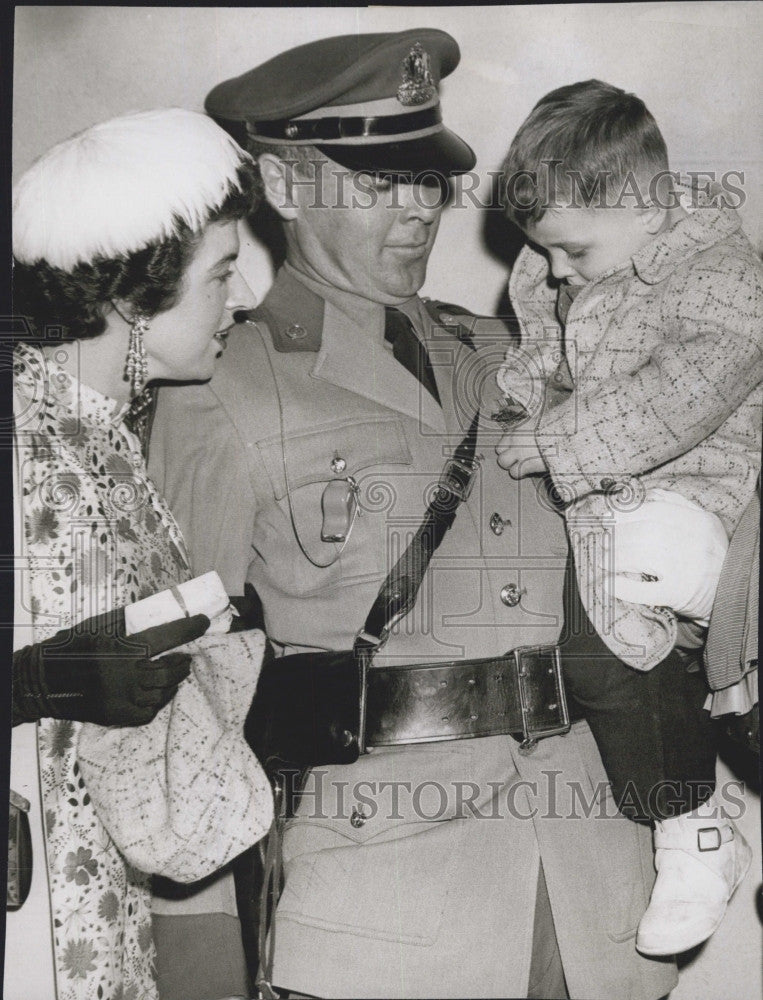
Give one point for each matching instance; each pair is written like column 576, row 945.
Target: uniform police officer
column 446, row 868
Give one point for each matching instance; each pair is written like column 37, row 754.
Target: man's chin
column 404, row 286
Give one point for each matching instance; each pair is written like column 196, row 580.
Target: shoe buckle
column 711, row 842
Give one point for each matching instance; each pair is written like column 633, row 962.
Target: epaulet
column 481, row 329
column 288, row 335
column 455, row 317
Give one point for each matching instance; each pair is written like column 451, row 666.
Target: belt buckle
column 541, row 694
column 457, row 477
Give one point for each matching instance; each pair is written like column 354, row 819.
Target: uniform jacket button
column 295, row 331
column 498, row 523
column 511, row 595
column 338, row 464
column 607, row 483
column 358, row 818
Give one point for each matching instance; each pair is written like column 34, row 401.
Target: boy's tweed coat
column 665, row 364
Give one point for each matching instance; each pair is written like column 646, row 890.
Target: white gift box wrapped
column 203, row 595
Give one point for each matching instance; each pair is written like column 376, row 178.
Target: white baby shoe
column 700, row 859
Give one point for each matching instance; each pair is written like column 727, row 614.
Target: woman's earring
column 136, row 366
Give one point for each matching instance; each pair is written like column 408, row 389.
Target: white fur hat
column 122, row 184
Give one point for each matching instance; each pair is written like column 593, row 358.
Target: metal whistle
column 339, row 505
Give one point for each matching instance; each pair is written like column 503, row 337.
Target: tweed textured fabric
column 666, row 358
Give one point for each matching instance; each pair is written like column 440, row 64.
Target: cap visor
column 443, row 154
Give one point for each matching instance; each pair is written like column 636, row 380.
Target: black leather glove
column 95, row 673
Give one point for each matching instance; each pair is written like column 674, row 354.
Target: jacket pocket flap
column 333, row 451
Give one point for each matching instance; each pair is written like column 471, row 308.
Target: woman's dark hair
column 73, row 304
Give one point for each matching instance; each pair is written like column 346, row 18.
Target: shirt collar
column 362, row 312
column 297, row 303
column 416, row 312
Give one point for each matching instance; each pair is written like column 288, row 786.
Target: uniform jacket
column 666, row 362
column 414, row 898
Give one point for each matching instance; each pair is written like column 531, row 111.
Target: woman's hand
column 95, row 673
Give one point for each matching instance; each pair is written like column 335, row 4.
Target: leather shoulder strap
column 398, row 593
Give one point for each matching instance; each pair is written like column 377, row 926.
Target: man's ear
column 276, row 177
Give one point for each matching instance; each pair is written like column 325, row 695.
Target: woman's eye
column 225, row 277
column 575, row 254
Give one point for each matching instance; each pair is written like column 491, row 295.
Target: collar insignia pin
column 418, row 85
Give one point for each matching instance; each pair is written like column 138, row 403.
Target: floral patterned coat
column 96, row 536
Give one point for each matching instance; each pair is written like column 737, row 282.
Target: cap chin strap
column 308, row 130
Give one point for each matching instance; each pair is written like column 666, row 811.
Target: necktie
column 408, row 349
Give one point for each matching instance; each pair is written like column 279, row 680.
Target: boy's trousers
column 655, row 739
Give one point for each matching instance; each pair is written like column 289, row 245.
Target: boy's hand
column 519, row 455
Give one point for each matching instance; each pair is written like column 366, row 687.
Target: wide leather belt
column 520, row 693
column 329, row 707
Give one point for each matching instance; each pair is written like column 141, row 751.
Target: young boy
column 641, row 362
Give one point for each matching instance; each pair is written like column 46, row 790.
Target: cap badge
column 418, row 85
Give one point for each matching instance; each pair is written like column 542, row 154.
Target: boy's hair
column 581, row 145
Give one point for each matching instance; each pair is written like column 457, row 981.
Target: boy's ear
column 276, row 178
column 652, row 218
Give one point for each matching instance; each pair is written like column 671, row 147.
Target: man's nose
column 422, row 201
column 240, row 295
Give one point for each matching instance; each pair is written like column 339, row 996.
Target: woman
column 125, row 242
